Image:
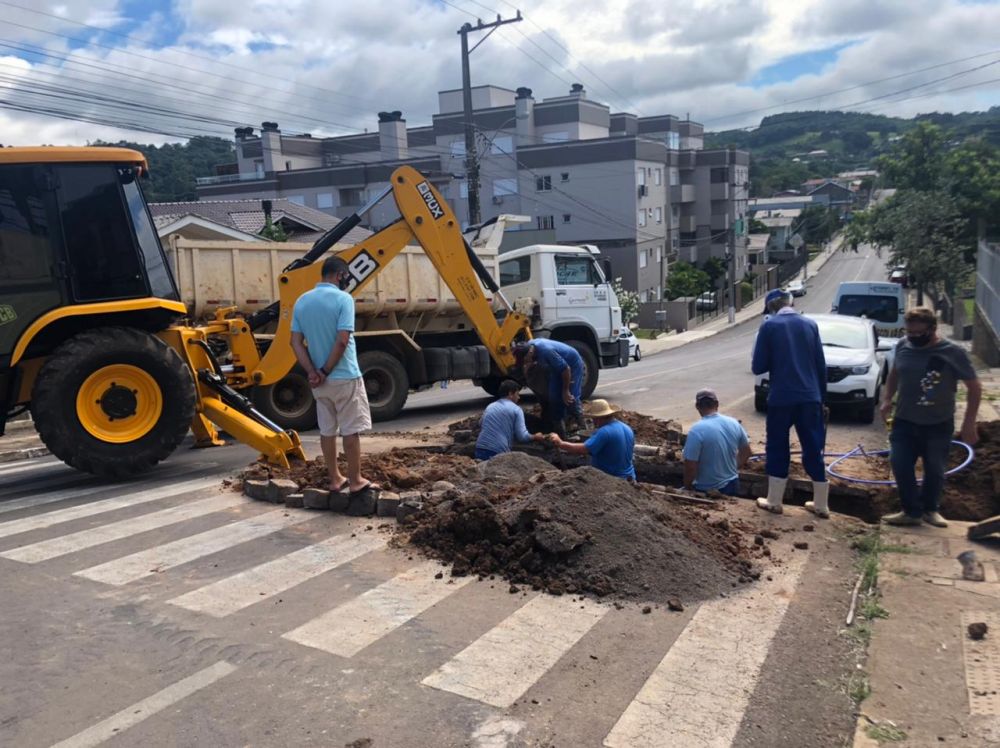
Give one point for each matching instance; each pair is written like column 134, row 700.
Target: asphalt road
column 664, row 384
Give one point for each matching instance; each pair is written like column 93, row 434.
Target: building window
column 674, row 242
column 643, row 296
column 640, row 177
column 351, row 196
column 564, row 177
column 566, row 217
column 675, row 212
column 641, row 217
column 659, row 215
column 458, row 148
column 503, row 145
column 643, row 258
column 659, row 253
column 324, row 200
column 463, row 190
column 675, row 176
column 288, row 166
column 658, row 177
column 689, row 237
column 504, row 187
column 555, row 137
column 545, row 222
column 543, row 184
column 673, row 140
column 720, row 175
column 297, row 199
column 258, row 168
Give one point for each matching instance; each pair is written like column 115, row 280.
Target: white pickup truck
column 410, row 330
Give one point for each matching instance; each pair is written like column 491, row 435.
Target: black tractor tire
column 760, row 403
column 386, row 383
column 591, row 367
column 288, row 402
column 55, row 391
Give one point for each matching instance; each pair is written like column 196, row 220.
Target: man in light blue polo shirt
column 323, row 318
column 503, row 424
column 715, row 448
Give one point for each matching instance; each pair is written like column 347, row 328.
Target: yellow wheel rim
column 119, row 403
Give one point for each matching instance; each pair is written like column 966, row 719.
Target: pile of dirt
column 583, row 532
column 394, row 470
column 972, row 494
column 648, row 430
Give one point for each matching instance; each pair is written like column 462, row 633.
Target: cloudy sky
column 162, row 70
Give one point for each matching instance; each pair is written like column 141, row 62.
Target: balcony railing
column 250, row 176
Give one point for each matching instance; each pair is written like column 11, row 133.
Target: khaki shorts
column 342, row 405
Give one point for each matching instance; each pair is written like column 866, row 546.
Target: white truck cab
column 569, row 298
column 881, row 302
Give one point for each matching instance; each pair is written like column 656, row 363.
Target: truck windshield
column 880, row 308
column 575, row 270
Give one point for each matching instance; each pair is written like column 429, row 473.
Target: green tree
column 274, row 232
column 715, row 268
column 971, row 174
column 917, row 160
column 757, row 227
column 686, row 280
column 817, row 223
column 627, row 300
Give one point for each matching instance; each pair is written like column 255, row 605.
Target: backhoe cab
column 92, row 333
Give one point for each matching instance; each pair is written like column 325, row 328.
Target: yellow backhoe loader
column 93, row 336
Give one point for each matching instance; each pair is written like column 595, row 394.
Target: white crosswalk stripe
column 78, row 541
column 155, row 560
column 50, row 498
column 506, row 661
column 697, row 695
column 141, row 710
column 349, row 628
column 22, row 466
column 134, row 498
column 237, row 592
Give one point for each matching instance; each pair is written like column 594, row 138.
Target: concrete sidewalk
column 753, row 310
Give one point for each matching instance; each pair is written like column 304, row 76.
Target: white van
column 883, row 303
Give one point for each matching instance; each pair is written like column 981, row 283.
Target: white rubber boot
column 820, row 503
column 775, row 493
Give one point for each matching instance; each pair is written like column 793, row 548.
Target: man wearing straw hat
column 611, row 445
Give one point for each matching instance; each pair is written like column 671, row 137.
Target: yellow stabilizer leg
column 275, row 446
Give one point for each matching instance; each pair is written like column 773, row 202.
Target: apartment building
column 642, row 189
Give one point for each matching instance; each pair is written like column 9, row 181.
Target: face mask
column 920, row 340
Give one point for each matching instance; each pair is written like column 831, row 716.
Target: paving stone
column 339, row 501
column 408, row 509
column 316, row 498
column 294, row 501
column 362, row 504
column 388, row 503
column 255, row 489
column 279, row 488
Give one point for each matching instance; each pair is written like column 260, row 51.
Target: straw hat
column 601, row 408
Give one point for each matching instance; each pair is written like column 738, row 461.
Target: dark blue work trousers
column 807, row 418
column 908, row 441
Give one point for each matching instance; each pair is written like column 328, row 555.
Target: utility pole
column 471, row 159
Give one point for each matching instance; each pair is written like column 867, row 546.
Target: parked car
column 855, row 365
column 796, row 288
column 706, row 302
column 633, row 344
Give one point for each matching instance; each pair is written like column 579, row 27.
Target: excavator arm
column 427, row 220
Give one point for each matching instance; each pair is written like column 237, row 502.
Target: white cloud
column 328, row 67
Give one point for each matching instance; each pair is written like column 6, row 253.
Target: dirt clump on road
column 393, row 470
column 583, row 532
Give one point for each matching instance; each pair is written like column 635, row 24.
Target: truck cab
column 569, row 297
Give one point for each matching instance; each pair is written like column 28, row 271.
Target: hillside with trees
column 780, row 146
column 174, row 166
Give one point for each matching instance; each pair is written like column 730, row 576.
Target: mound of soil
column 394, row 470
column 583, row 531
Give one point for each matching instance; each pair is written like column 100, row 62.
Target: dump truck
column 412, row 332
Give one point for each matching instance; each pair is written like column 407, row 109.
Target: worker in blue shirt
column 610, row 447
column 503, row 423
column 789, row 350
column 564, row 372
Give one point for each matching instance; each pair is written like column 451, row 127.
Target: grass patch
column 646, row 333
column 860, row 633
column 970, row 308
column 858, row 687
column 871, row 609
column 885, row 733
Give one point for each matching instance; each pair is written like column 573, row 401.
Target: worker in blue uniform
column 788, row 349
column 563, row 371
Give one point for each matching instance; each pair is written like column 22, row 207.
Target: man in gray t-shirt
column 925, row 373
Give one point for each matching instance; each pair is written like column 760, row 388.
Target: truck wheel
column 491, row 385
column 590, row 366
column 386, row 383
column 288, row 402
column 113, row 401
